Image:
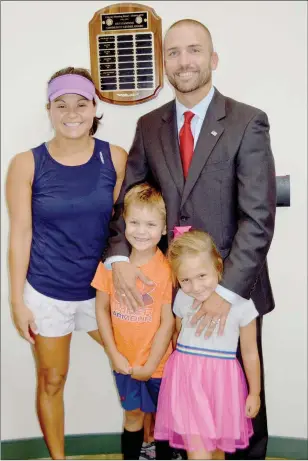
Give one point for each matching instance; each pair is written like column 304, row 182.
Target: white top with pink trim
column 225, row 346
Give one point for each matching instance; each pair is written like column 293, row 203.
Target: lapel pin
column 214, row 133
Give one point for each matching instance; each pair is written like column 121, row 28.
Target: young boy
column 138, row 343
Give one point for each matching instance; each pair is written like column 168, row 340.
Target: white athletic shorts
column 55, row 318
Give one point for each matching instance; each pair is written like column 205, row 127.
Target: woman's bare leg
column 52, row 360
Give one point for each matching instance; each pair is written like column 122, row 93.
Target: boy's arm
column 159, row 347
column 162, row 338
column 102, row 307
column 178, row 326
column 251, row 361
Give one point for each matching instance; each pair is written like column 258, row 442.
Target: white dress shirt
column 199, row 110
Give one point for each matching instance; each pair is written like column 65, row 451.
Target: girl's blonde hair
column 193, row 243
column 145, row 195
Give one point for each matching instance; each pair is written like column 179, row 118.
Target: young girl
column 203, row 405
column 138, row 343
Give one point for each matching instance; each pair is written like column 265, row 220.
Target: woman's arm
column 119, row 159
column 19, row 196
column 103, row 316
column 251, row 361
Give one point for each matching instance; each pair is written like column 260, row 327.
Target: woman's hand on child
column 252, row 406
column 142, row 373
column 120, row 364
column 212, row 312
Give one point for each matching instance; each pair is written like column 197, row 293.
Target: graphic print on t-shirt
column 143, row 314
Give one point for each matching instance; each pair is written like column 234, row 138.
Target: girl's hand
column 252, row 406
column 120, row 364
column 142, row 373
column 23, row 319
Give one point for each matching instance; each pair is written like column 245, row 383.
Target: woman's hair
column 193, row 243
column 84, row 73
column 147, row 196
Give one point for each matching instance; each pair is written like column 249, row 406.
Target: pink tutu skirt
column 201, row 404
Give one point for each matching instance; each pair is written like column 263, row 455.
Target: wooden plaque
column 126, row 53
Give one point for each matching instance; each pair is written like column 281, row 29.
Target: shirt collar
column 199, row 109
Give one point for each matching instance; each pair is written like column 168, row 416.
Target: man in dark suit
column 211, row 157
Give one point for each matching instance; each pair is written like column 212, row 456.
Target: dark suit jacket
column 230, row 190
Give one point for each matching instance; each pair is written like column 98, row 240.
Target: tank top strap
column 103, row 153
column 40, row 158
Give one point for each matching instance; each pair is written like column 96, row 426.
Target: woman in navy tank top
column 60, row 199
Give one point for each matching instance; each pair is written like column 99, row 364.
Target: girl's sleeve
column 102, row 279
column 248, row 313
column 178, row 303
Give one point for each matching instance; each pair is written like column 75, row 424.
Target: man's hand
column 142, row 373
column 120, row 364
column 214, row 310
column 124, row 276
column 252, row 406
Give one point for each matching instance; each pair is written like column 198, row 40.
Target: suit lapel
column 209, row 135
column 170, row 144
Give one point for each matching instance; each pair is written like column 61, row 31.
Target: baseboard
column 94, row 444
column 287, row 447
column 75, row 445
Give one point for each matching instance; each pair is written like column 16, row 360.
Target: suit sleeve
column 136, row 172
column 256, row 188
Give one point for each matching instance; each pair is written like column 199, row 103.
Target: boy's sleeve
column 249, row 313
column 102, row 279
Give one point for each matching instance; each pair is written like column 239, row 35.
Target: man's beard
column 202, row 80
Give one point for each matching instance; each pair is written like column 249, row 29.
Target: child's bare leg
column 134, row 420
column 203, row 454
column 218, row 454
column 199, row 454
column 149, row 427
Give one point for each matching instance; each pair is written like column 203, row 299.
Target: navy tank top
column 71, row 210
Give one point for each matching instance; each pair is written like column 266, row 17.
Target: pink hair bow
column 179, row 230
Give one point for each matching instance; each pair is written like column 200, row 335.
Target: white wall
column 262, row 48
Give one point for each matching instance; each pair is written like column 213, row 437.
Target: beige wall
column 262, row 49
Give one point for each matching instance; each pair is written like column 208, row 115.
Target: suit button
column 184, row 218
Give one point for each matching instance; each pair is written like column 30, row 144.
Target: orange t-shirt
column 134, row 331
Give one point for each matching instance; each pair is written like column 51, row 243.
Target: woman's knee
column 51, row 381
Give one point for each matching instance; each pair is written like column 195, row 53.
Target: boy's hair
column 193, row 242
column 145, row 195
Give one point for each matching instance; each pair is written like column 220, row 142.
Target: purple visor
column 70, row 84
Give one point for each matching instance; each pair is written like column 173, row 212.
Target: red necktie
column 186, row 142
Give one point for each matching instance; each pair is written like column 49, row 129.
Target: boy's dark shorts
column 138, row 394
